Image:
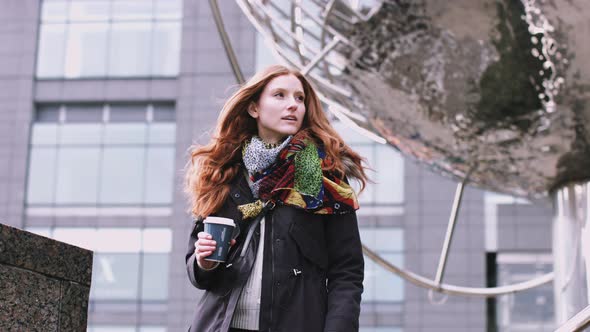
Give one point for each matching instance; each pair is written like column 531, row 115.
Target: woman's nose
column 293, row 104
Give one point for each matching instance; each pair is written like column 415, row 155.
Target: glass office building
column 100, row 100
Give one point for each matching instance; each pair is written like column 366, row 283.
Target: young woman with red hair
column 278, row 169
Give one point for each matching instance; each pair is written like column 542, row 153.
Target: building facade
column 99, row 102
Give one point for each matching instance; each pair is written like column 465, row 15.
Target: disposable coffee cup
column 221, row 229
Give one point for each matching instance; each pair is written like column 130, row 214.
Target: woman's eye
column 280, row 94
column 301, row 98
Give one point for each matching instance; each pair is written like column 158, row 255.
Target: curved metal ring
column 421, row 281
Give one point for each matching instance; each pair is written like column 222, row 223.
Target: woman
column 278, row 169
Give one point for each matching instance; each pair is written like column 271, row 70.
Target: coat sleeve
column 202, row 279
column 345, row 273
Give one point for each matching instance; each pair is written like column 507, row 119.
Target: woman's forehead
column 285, row 82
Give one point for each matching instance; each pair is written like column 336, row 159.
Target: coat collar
column 240, row 191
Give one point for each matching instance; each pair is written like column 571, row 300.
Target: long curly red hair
column 212, row 167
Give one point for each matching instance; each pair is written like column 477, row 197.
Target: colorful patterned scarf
column 296, row 179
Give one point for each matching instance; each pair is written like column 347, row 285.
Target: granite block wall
column 44, row 284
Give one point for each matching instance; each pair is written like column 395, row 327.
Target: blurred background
column 99, row 102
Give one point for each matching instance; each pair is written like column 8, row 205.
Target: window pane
column 132, row 10
column 114, row 157
column 80, row 134
column 128, row 113
column 389, row 239
column 380, row 329
column 125, row 133
column 80, row 237
column 389, row 168
column 157, row 240
column 155, row 277
column 77, row 175
column 152, row 329
column 50, row 56
column 54, row 11
column 86, row 50
column 41, row 182
column 84, row 113
column 389, row 286
column 168, row 9
column 114, row 276
column 369, row 284
column 130, row 49
column 383, row 238
column 122, row 175
column 381, row 285
column 159, row 175
column 532, row 310
column 118, row 240
column 367, row 196
column 47, row 113
column 162, row 133
column 44, row 134
column 89, row 11
column 166, row 49
column 164, row 113
column 110, row 328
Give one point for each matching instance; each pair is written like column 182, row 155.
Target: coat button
column 237, row 195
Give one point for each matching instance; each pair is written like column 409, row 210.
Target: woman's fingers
column 203, row 254
column 208, row 246
column 205, row 236
column 232, row 242
column 204, row 246
column 205, row 239
column 202, row 242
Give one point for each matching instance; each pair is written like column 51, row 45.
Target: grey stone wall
column 44, row 284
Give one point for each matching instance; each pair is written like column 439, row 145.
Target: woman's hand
column 204, row 247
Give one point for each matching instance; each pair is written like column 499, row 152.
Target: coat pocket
column 310, row 247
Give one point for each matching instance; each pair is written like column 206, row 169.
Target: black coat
column 312, row 274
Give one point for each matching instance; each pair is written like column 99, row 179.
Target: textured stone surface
column 44, row 284
column 74, row 306
column 29, row 301
column 36, row 253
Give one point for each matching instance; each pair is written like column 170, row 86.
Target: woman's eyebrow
column 282, row 89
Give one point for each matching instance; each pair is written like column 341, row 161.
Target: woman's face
column 280, row 109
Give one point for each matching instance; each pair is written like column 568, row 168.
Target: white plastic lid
column 220, row 220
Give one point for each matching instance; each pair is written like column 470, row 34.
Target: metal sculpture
column 494, row 92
